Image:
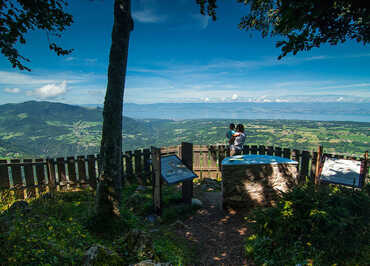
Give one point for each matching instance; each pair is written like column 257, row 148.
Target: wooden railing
column 30, row 177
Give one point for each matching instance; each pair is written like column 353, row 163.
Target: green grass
column 58, row 231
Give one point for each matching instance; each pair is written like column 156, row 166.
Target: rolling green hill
column 34, row 129
column 54, row 129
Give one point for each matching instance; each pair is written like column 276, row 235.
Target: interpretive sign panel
column 173, row 170
column 344, row 172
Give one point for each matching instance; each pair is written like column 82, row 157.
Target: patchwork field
column 35, row 129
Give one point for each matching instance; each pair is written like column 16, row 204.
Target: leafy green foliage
column 17, row 17
column 327, row 226
column 305, row 24
column 59, row 230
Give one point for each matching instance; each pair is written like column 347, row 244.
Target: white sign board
column 340, row 171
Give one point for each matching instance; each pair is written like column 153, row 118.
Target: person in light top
column 238, row 139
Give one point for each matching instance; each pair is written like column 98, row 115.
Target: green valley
column 41, row 129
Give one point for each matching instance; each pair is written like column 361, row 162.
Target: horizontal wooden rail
column 31, row 177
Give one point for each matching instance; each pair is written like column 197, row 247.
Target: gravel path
column 220, row 234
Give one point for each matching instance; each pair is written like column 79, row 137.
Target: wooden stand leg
column 187, row 159
column 187, row 191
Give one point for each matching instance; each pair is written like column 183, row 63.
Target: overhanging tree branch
column 18, row 17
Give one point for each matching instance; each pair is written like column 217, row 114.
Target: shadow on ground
column 220, row 234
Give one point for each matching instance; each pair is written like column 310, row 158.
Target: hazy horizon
column 324, row 111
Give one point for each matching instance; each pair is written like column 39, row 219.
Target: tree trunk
column 108, row 193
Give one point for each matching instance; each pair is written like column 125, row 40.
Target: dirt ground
column 220, row 234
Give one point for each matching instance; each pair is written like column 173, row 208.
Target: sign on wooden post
column 172, row 170
column 340, row 171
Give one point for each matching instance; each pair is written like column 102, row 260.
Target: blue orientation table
column 254, row 159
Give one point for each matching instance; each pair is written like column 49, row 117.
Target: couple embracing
column 236, row 138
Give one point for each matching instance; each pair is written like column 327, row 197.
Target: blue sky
column 178, row 55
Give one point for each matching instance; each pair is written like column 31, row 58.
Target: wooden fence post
column 213, row 151
column 51, row 176
column 221, row 156
column 318, row 165
column 295, row 155
column 71, row 166
column 146, row 174
column 29, row 177
column 40, row 173
column 303, row 171
column 4, row 175
column 278, row 151
column 157, row 180
column 204, row 159
column 138, row 168
column 366, row 167
column 286, row 153
column 254, row 149
column 246, row 149
column 129, row 168
column 17, row 178
column 92, row 170
column 62, row 179
column 187, row 159
column 82, row 177
column 270, row 150
column 261, row 150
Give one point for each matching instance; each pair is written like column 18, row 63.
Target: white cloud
column 235, row 96
column 50, row 90
column 320, row 57
column 148, row 16
column 14, row 78
column 12, row 90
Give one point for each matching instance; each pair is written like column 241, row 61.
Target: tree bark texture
column 108, row 194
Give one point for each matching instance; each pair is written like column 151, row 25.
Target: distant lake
column 359, row 112
column 248, row 115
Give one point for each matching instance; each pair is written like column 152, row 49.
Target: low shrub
column 59, row 230
column 325, row 226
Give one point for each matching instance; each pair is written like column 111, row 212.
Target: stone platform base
column 246, row 186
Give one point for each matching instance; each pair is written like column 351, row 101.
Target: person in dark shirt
column 231, row 132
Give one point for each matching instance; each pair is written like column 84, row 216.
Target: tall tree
column 108, row 195
column 305, row 24
column 17, row 17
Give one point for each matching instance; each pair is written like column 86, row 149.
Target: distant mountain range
column 34, row 129
column 323, row 111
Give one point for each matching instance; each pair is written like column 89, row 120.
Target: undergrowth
column 325, row 226
column 59, row 230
